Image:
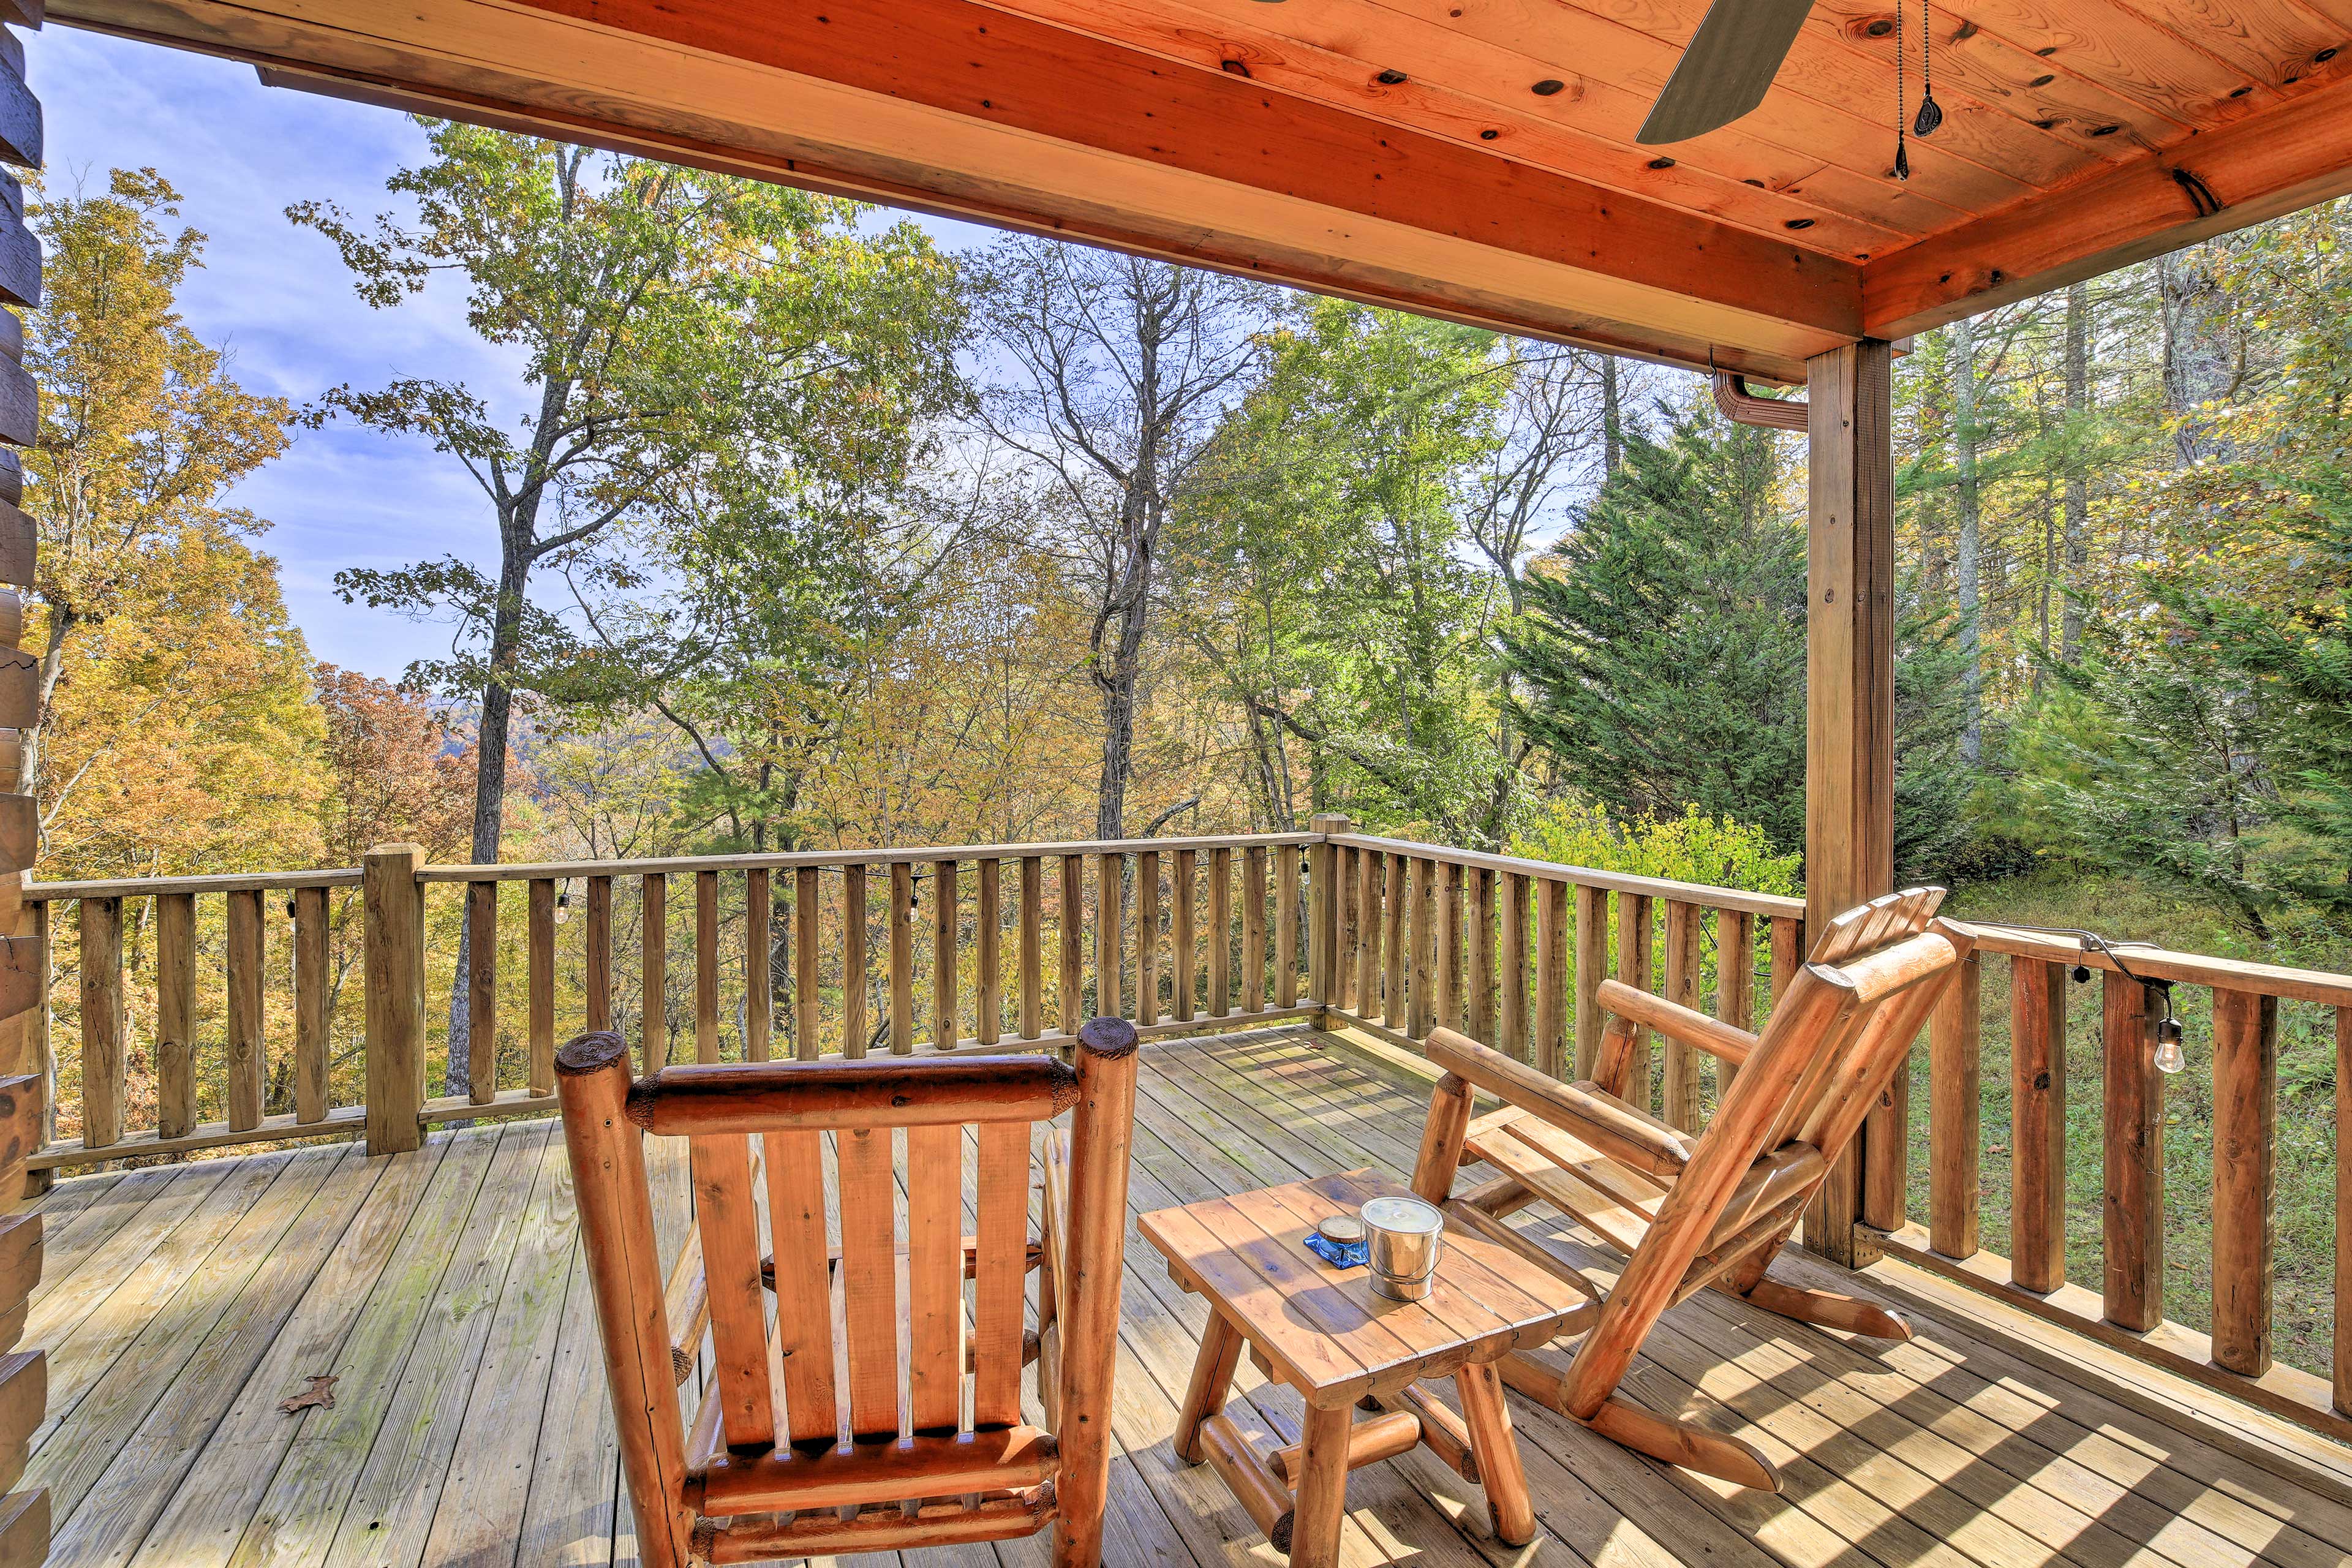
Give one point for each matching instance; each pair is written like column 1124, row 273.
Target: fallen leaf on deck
column 320, row 1394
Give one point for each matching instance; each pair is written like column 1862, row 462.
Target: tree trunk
column 53, row 665
column 490, row 795
column 1969, row 562
column 1611, row 417
column 2078, row 488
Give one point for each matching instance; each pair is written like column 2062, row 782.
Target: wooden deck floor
column 442, row 1289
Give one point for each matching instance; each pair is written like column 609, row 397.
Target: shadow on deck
column 442, row 1290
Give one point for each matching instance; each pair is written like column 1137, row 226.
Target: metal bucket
column 1404, row 1236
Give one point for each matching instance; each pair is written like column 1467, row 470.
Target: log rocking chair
column 1693, row 1211
column 815, row 1437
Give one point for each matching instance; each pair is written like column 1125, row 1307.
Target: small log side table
column 1323, row 1331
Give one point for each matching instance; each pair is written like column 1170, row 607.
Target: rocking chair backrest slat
column 935, row 1277
column 804, row 1283
column 723, row 1199
column 1000, row 1273
column 869, row 1277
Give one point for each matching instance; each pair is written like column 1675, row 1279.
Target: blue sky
column 279, row 299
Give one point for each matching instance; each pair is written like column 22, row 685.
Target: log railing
column 2140, row 988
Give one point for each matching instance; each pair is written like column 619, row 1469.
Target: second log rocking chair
column 1693, row 1211
column 814, row 1436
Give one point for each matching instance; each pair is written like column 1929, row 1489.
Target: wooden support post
column 392, row 905
column 1397, row 892
column 1448, row 1012
column 1955, row 1145
column 1327, row 916
column 1183, row 939
column 1371, row 870
column 759, row 965
column 244, row 1011
column 1848, row 681
column 103, row 1020
column 2038, row 1124
column 2131, row 1213
column 2245, row 1165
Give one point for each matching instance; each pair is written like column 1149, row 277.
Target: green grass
column 2304, row 1212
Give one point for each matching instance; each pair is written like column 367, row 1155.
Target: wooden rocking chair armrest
column 686, row 1306
column 1582, row 1111
column 1725, row 1042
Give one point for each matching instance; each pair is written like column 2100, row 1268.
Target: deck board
column 445, row 1288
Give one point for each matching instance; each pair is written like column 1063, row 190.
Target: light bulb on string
column 563, row 906
column 2169, row 1057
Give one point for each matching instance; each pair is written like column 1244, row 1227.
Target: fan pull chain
column 1931, row 113
column 1902, row 156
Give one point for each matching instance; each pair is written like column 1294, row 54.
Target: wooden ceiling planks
column 1401, row 151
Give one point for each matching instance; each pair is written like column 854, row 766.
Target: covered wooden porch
column 441, row 1288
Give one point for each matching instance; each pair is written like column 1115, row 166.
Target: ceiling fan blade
column 1729, row 64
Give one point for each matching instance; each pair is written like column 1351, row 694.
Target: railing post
column 393, row 937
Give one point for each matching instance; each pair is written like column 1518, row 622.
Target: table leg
column 1213, row 1380
column 1321, row 1495
column 1500, row 1470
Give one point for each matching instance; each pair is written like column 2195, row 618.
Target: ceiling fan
column 1727, row 69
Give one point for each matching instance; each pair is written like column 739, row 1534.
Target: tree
column 664, row 316
column 1119, row 369
column 143, row 431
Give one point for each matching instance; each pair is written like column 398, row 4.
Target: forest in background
column 812, row 534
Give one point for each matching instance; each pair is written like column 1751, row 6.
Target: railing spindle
column 1681, row 1094
column 1512, row 1025
column 310, row 1032
column 653, row 1005
column 902, row 958
column 1146, row 936
column 1449, row 947
column 1635, row 940
column 1254, row 928
column 988, row 919
column 1184, row 969
column 1110, row 933
column 1735, row 982
column 1346, row 912
column 1371, row 870
column 1033, row 946
column 1397, row 887
column 1592, row 969
column 855, row 1028
column 1285, row 927
column 175, row 1018
column 1955, row 1145
column 1787, row 955
column 2245, row 1132
column 1551, row 976
column 1479, row 1013
column 2343, row 1357
column 540, row 980
column 1221, row 931
column 1420, row 894
column 599, row 939
column 759, row 967
column 245, row 1017
column 706, row 966
column 2132, row 1217
column 1068, row 923
column 2038, row 1124
column 808, row 996
column 946, row 915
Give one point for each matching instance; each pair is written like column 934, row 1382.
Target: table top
column 1321, row 1327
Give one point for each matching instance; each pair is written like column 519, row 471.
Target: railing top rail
column 1771, row 905
column 914, row 855
column 230, row 882
column 2164, row 963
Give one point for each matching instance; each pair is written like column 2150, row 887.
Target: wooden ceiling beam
column 957, row 108
column 2261, row 166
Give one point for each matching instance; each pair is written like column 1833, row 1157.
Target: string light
column 564, row 902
